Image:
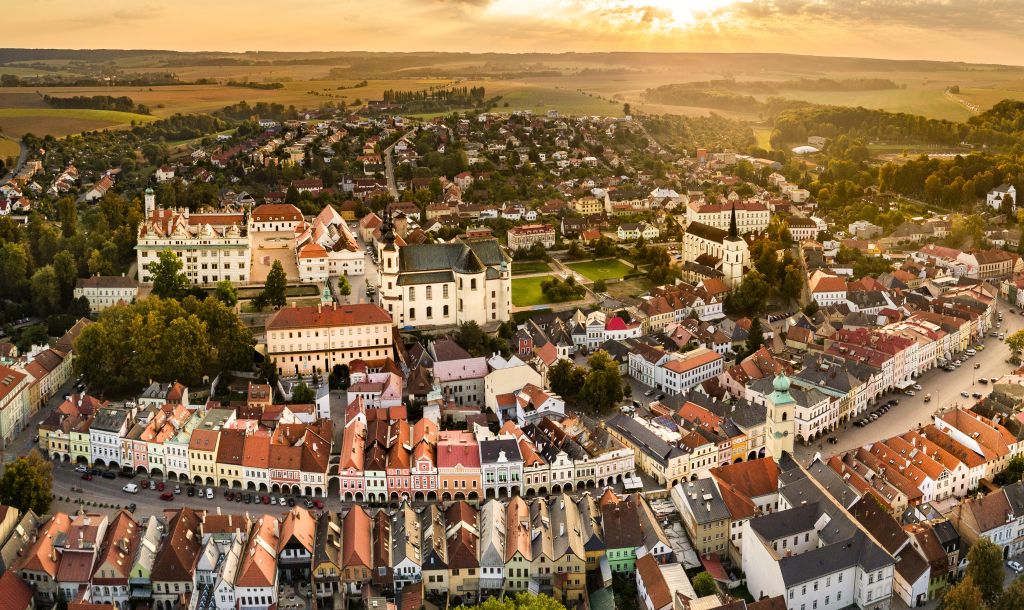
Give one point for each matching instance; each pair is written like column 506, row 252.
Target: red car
column 167, row 496
column 87, row 477
column 266, row 499
column 318, row 503
column 160, row 486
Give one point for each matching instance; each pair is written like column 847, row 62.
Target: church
column 717, row 249
column 444, row 284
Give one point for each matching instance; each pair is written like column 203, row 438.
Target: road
column 389, row 165
column 944, row 387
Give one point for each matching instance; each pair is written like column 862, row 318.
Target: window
column 412, row 293
column 430, row 312
column 472, row 284
column 444, row 291
column 430, row 292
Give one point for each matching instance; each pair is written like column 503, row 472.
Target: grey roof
column 841, row 542
column 647, row 441
column 490, row 450
column 430, row 277
column 707, row 231
column 705, row 501
column 109, row 420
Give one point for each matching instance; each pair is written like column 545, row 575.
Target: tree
column 965, row 595
column 66, row 268
column 344, row 287
column 27, row 484
column 226, row 293
column 755, row 337
column 522, row 601
column 68, row 216
column 45, row 291
column 566, row 378
column 985, row 568
column 1012, row 598
column 274, row 291
column 602, row 386
column 704, row 584
column 303, row 394
column 1016, row 341
column 1012, row 473
column 168, row 280
column 600, row 286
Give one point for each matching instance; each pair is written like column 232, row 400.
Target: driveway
column 945, row 389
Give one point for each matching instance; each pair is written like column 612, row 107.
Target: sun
column 635, row 15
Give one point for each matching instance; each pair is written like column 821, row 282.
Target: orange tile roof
column 259, row 563
column 359, row 314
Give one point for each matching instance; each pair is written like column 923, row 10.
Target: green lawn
column 603, row 269
column 524, row 267
column 526, row 291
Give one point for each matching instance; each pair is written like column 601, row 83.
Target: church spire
column 388, row 228
column 733, row 232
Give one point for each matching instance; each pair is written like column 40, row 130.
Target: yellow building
column 202, row 456
column 304, row 340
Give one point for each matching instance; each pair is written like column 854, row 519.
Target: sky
column 963, row 30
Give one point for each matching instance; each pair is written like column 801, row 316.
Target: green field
column 527, row 267
column 603, row 269
column 526, row 291
column 630, row 288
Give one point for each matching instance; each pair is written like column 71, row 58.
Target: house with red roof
column 458, row 465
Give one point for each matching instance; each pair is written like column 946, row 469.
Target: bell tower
column 780, row 428
column 734, row 254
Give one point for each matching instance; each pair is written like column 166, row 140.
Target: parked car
column 976, row 395
column 965, row 394
column 983, row 381
column 131, row 507
column 909, row 392
column 177, row 489
column 649, row 392
column 87, row 477
column 917, row 386
column 266, row 499
column 992, row 379
column 160, row 486
column 130, row 488
column 1016, row 567
column 209, row 493
column 167, row 496
column 282, row 501
column 248, row 498
column 191, row 491
column 291, row 501
column 108, row 474
column 318, row 503
column 308, row 503
column 229, row 495
column 81, row 468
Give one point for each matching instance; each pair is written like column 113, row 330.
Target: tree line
column 121, row 103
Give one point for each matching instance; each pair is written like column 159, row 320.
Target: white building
column 751, row 216
column 445, row 284
column 212, row 247
column 103, row 291
column 109, row 426
column 994, row 199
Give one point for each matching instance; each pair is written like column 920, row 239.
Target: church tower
column 149, row 198
column 387, row 271
column 780, row 428
column 734, row 254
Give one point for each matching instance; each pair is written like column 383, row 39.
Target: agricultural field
column 603, row 269
column 528, row 267
column 16, row 122
column 526, row 291
column 9, row 148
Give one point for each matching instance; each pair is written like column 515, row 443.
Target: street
column 944, row 387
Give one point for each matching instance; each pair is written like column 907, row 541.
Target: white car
column 209, row 493
column 917, row 386
column 909, row 392
column 1016, row 567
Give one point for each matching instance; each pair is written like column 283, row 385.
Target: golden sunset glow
column 967, row 30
